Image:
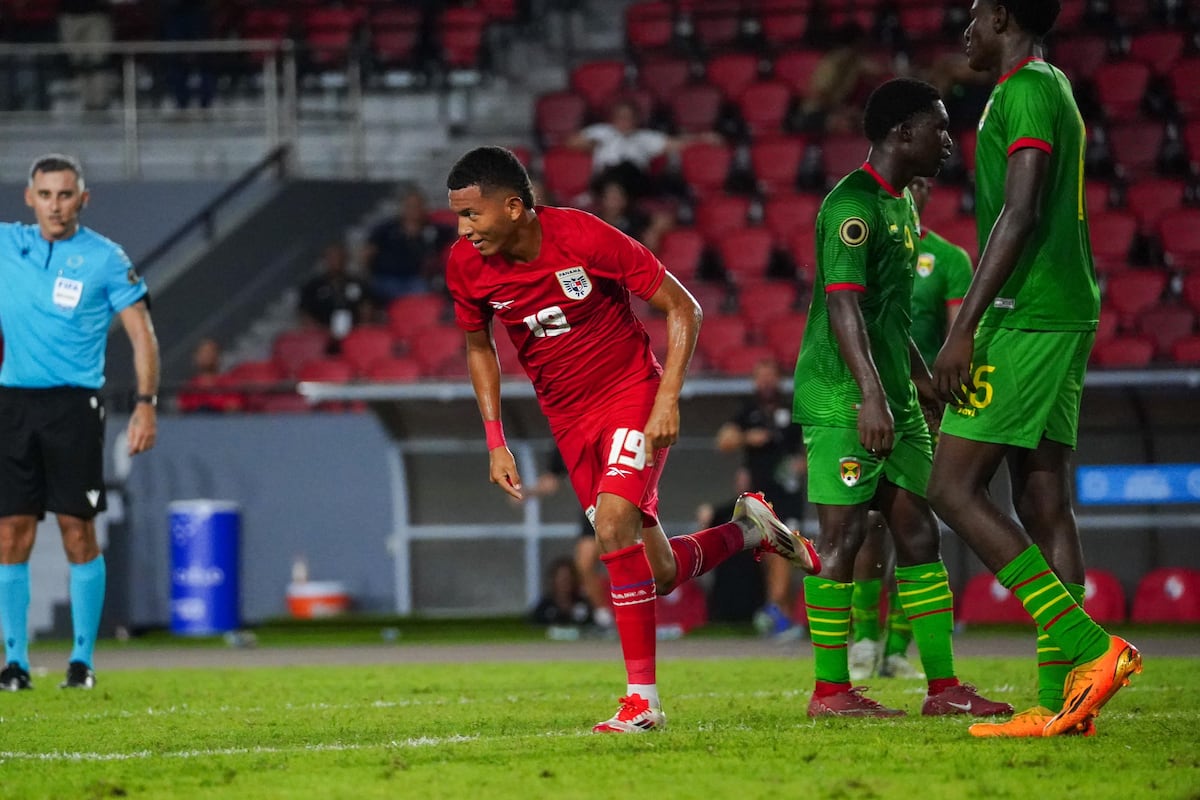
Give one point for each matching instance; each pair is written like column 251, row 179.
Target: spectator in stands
column 772, row 459
column 189, row 74
column 88, row 22
column 611, row 203
column 334, row 298
column 403, row 254
column 203, row 392
column 563, row 602
column 624, row 149
column 837, row 76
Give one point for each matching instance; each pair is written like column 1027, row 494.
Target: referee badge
column 853, row 231
column 851, row 470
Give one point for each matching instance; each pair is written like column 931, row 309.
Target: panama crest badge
column 575, row 282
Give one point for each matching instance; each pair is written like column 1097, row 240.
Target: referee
column 60, row 287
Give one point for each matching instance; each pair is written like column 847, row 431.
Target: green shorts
column 1029, row 386
column 842, row 473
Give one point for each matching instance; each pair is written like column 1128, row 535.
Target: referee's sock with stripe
column 87, row 602
column 14, row 613
column 1030, row 578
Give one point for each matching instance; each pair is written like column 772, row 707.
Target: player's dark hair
column 894, row 102
column 491, row 168
column 1034, row 16
column 56, row 162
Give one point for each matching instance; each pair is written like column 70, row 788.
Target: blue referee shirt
column 57, row 301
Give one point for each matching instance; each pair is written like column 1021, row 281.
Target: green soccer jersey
column 865, row 242
column 943, row 277
column 1053, row 286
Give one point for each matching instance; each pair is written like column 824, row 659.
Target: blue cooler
column 204, row 566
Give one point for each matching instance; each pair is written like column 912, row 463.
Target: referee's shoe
column 79, row 676
column 14, row 678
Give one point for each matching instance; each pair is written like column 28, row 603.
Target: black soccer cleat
column 79, row 676
column 14, row 678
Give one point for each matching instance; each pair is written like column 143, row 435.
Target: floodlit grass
column 487, row 730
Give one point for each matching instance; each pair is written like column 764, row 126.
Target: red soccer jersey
column 567, row 312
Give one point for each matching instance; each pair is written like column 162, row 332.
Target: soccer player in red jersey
column 559, row 281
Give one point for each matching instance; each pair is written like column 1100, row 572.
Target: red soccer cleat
column 962, row 699
column 850, row 703
column 776, row 537
column 634, row 716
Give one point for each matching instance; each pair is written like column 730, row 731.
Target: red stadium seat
column 764, row 106
column 1106, row 331
column 704, row 167
column 681, row 611
column 784, row 22
column 922, row 22
column 1129, row 13
column 1179, row 233
column 784, row 214
column 500, row 10
column 460, row 32
column 1153, row 198
column 253, row 374
column 1096, row 194
column 284, row 403
column 1128, row 352
column 1080, row 56
column 1184, row 79
column 393, row 370
column 434, row 348
column 557, row 115
column 1158, row 49
column 326, row 370
column 1168, row 594
column 411, row 314
column 681, row 250
column 293, row 348
column 732, row 73
column 741, row 361
column 365, row 345
column 695, row 109
column 1112, row 234
column 719, row 333
column 649, row 26
column 765, row 300
column 775, row 162
column 1131, row 292
column 1135, row 147
column 784, row 334
column 1191, row 291
column 985, row 601
column 803, row 251
column 566, row 173
column 716, row 24
column 962, row 231
column 746, row 253
column 719, row 215
column 795, row 68
column 1164, row 325
column 395, row 48
column 663, row 76
column 598, row 82
column 1186, row 351
column 841, row 155
column 1104, row 597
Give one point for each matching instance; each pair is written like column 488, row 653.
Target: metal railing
column 277, row 73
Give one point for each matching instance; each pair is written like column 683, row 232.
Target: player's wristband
column 494, row 430
column 149, row 399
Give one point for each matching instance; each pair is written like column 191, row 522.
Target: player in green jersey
column 856, row 397
column 1013, row 364
column 941, row 281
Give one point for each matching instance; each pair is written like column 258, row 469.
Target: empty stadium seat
column 1096, row 194
column 1106, row 330
column 326, row 370
column 762, row 300
column 1150, row 199
column 393, row 370
column 1112, row 235
column 1158, row 49
column 1186, row 351
column 460, row 33
column 1168, row 594
column 985, row 601
column 705, row 166
column 435, row 348
column 1191, row 291
column 663, row 76
column 746, row 253
column 775, row 162
column 783, row 22
column 787, row 213
column 680, row 251
column 1135, row 146
column 803, row 252
column 1104, row 597
column 414, row 313
column 716, row 24
column 764, row 106
column 921, row 21
column 598, row 83
column 1080, row 56
column 1179, row 234
column 1164, row 325
column 732, row 73
column 784, row 334
column 1120, row 87
column 566, row 173
column 740, row 362
column 1126, row 352
column 649, row 26
column 719, row 333
column 718, row 215
column 557, row 115
column 365, row 345
column 695, row 108
column 1184, row 80
column 961, row 231
column 292, row 348
column 795, row 68
column 841, row 155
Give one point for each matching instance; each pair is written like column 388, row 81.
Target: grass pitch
column 737, row 729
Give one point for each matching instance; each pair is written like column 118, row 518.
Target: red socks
column 633, row 597
column 697, row 553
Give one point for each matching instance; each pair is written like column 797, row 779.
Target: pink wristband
column 494, row 430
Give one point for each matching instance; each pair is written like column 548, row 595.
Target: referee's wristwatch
column 152, row 399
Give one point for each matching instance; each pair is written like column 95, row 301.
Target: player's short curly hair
column 1034, row 16
column 491, row 168
column 896, row 101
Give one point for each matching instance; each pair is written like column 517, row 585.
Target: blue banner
column 1140, row 484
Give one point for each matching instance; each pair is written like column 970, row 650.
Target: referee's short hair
column 56, row 162
column 894, row 102
column 1034, row 16
column 491, row 168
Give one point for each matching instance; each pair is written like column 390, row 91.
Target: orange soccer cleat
column 1092, row 684
column 1029, row 724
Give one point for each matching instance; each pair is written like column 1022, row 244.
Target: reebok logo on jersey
column 617, row 472
column 574, row 282
column 854, row 231
column 501, row 305
column 851, row 470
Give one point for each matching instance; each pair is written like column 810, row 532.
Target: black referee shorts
column 51, row 452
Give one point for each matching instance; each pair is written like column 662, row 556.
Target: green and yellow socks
column 864, row 608
column 827, row 604
column 925, row 596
